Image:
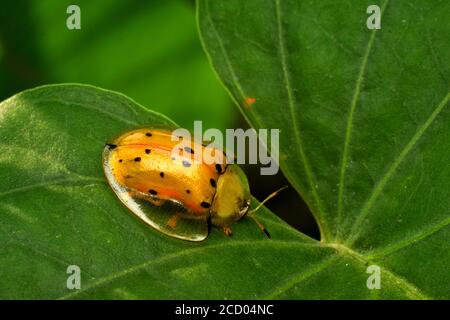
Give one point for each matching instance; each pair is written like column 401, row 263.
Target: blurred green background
column 147, row 50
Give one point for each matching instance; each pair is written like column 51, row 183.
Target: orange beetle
column 164, row 180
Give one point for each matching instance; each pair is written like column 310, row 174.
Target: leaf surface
column 365, row 139
column 57, row 210
column 364, row 121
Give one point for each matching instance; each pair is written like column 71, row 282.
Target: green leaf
column 365, row 133
column 386, row 202
column 56, row 210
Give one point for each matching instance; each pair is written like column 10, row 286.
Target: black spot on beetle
column 186, row 163
column 187, row 149
column 148, row 134
column 188, row 191
column 219, row 168
column 111, row 146
column 161, row 174
column 213, row 182
column 153, row 192
column 137, row 159
column 120, row 160
column 205, row 205
column 148, row 151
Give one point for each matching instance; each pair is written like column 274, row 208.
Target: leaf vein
column 49, row 183
column 348, row 130
column 381, row 253
column 135, row 268
column 392, row 169
column 411, row 290
column 302, row 276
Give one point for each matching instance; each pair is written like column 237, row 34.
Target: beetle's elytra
column 164, row 181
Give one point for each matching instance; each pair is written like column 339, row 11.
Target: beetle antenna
column 270, row 196
column 252, row 212
column 261, row 226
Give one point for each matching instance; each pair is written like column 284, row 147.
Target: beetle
column 169, row 186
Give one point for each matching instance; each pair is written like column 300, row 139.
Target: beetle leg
column 227, row 231
column 153, row 200
column 172, row 222
column 157, row 202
